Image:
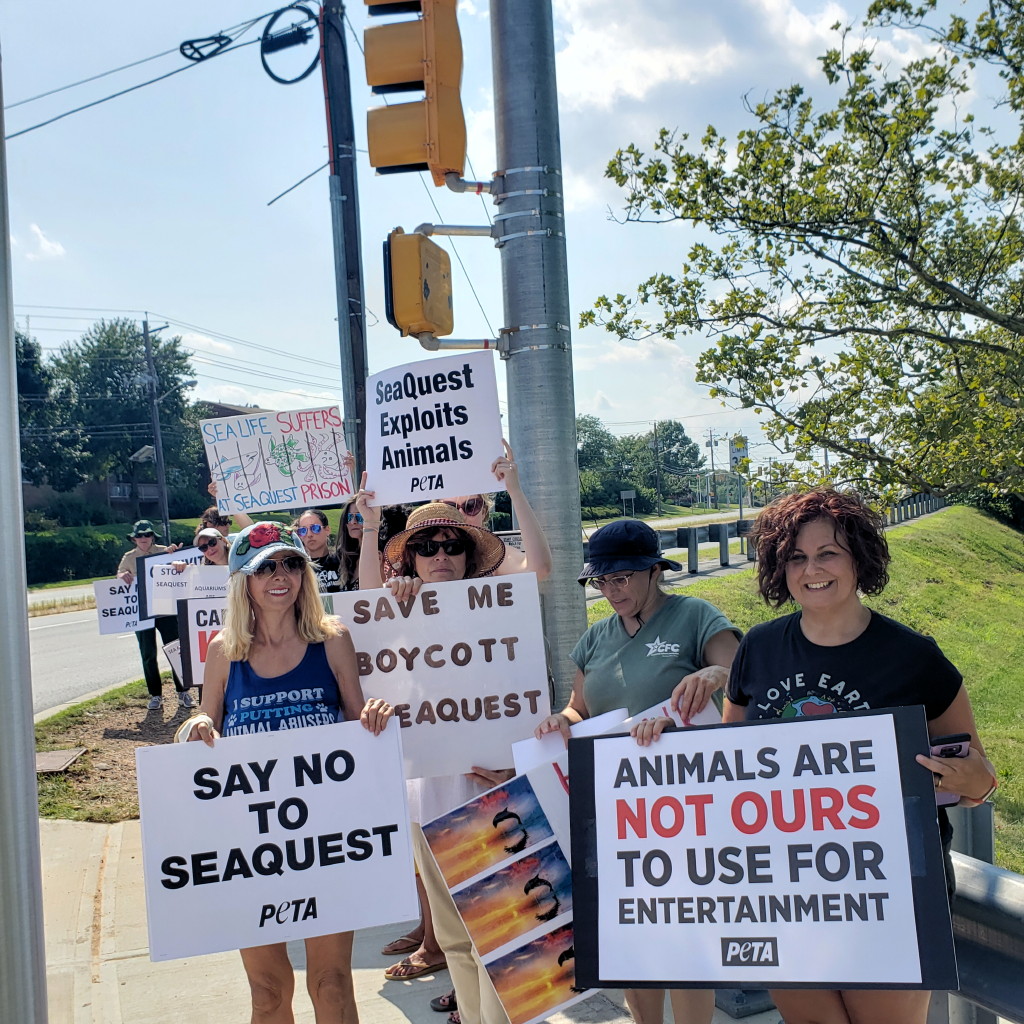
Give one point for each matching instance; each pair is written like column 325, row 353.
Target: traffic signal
column 417, row 285
column 425, row 53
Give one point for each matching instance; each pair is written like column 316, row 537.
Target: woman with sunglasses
column 654, row 647
column 213, row 545
column 438, row 546
column 315, row 534
column 476, row 509
column 277, row 640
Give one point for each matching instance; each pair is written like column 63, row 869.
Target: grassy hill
column 959, row 577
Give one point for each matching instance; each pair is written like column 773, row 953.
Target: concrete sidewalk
column 99, row 971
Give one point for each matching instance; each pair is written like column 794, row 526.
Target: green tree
column 104, row 381
column 595, row 444
column 861, row 278
column 50, row 452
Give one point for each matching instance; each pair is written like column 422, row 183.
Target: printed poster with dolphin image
column 265, row 461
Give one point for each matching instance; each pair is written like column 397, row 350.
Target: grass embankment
column 956, row 576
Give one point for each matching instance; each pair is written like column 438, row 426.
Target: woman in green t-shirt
column 654, row 643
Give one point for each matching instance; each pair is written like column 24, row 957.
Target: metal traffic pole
column 542, row 412
column 22, row 951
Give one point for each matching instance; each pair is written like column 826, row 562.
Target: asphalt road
column 70, row 659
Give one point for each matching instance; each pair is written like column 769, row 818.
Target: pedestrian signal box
column 417, row 285
column 424, row 53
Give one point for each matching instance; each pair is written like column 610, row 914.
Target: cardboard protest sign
column 263, row 461
column 172, row 652
column 505, row 857
column 161, row 586
column 117, row 607
column 462, row 663
column 433, row 429
column 199, row 621
column 793, row 853
column 273, row 836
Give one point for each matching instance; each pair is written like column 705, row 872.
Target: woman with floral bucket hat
column 277, row 639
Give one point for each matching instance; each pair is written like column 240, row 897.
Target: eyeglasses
column 206, row 547
column 353, row 517
column 472, row 507
column 315, row 528
column 429, row 548
column 612, row 582
column 140, row 535
column 270, row 566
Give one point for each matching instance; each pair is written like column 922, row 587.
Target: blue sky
column 157, row 200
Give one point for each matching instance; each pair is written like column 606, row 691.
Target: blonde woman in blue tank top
column 280, row 661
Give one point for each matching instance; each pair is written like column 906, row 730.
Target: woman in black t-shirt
column 823, row 549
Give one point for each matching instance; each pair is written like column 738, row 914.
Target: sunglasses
column 206, row 547
column 471, row 508
column 429, row 548
column 145, row 535
column 315, row 528
column 270, row 566
column 353, row 517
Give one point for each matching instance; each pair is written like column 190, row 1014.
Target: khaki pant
column 478, row 1002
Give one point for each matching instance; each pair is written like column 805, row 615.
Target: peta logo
column 737, row 952
column 660, row 649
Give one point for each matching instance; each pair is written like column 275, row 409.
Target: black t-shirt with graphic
column 328, row 574
column 779, row 673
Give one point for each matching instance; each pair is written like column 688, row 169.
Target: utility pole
column 22, row 951
column 712, row 443
column 657, row 472
column 534, row 275
column 158, row 444
column 348, row 267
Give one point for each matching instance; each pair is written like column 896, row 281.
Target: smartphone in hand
column 957, row 745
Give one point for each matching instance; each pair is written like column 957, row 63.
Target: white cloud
column 46, row 248
column 236, row 394
column 201, row 343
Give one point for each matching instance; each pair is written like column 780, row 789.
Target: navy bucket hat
column 623, row 545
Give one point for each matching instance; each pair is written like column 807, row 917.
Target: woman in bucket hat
column 652, row 644
column 277, row 640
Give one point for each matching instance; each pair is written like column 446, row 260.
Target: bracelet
column 988, row 793
column 371, row 529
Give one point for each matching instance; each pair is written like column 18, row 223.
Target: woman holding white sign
column 823, row 549
column 438, row 546
column 280, row 661
column 653, row 645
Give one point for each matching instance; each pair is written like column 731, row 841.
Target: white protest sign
column 272, row 837
column 117, row 607
column 199, row 621
column 160, row 585
column 172, row 652
column 462, row 663
column 777, row 853
column 207, row 581
column 505, row 858
column 262, row 461
column 433, row 429
column 531, row 752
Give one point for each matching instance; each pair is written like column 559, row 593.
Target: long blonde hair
column 312, row 621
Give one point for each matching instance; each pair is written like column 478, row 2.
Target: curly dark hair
column 858, row 528
column 408, row 566
column 212, row 517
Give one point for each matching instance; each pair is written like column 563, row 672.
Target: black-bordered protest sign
column 271, row 837
column 505, row 858
column 150, row 569
column 461, row 662
column 802, row 853
column 262, row 461
column 199, row 621
column 433, row 429
column 117, row 607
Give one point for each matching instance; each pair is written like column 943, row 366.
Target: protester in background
column 212, row 517
column 617, row 666
column 476, row 508
column 315, row 534
column 143, row 538
column 213, row 546
column 346, row 551
column 823, row 549
column 438, row 546
column 277, row 639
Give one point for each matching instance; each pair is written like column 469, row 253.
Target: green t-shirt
column 636, row 672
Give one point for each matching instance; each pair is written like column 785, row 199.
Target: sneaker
column 185, row 699
column 155, row 703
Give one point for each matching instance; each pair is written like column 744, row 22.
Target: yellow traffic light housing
column 426, row 53
column 417, row 285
